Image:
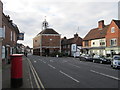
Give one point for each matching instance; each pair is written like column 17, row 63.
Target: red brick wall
column 110, row 35
column 47, row 42
column 36, row 41
column 8, row 29
column 89, row 44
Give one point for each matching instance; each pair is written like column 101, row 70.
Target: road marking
column 34, row 61
column 64, row 61
column 51, row 60
column 74, row 65
column 69, row 76
column 51, row 66
column 105, row 75
column 44, row 62
column 36, row 77
column 30, row 76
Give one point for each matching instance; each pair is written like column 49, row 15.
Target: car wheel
column 114, row 67
column 111, row 65
column 101, row 62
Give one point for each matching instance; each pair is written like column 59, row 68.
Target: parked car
column 86, row 57
column 100, row 59
column 115, row 63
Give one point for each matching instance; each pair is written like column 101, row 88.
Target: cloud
column 63, row 16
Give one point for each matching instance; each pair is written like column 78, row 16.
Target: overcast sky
column 64, row 16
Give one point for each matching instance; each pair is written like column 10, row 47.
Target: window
column 86, row 43
column 11, row 35
column 93, row 43
column 14, row 36
column 68, row 46
column 3, row 52
column 102, row 43
column 113, row 30
column 113, row 42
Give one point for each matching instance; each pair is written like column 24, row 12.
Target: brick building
column 71, row 46
column 95, row 41
column 103, row 40
column 48, row 41
column 11, row 36
column 113, row 38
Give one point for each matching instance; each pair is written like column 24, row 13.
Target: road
column 68, row 72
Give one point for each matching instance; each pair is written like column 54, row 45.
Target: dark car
column 86, row 57
column 100, row 59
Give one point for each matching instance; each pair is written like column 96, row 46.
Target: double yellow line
column 36, row 77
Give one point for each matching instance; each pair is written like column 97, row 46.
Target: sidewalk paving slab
column 6, row 76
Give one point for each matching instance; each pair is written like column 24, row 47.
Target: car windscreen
column 116, row 58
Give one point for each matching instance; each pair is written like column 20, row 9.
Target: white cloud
column 63, row 16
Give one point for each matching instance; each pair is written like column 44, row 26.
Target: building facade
column 113, row 38
column 103, row 40
column 9, row 43
column 1, row 30
column 72, row 46
column 95, row 42
column 47, row 42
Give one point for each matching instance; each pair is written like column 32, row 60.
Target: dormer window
column 113, row 30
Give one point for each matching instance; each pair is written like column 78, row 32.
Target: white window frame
column 115, row 43
column 11, row 35
column 112, row 29
column 3, row 52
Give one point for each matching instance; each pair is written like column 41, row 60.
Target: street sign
column 73, row 47
column 21, row 36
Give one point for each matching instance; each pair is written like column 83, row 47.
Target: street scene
column 59, row 45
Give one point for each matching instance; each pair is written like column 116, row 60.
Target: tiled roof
column 117, row 23
column 48, row 31
column 96, row 33
column 77, row 40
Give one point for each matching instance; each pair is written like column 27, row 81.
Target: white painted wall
column 97, row 42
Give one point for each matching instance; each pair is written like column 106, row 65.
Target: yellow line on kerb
column 35, row 73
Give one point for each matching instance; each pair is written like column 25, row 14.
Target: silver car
column 115, row 63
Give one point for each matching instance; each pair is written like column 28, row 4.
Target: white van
column 115, row 63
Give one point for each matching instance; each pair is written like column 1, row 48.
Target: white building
column 98, row 46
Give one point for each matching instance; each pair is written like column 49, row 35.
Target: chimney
column 65, row 38
column 101, row 24
column 75, row 35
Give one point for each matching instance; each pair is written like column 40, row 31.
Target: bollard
column 16, row 70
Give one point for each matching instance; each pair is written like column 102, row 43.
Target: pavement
column 6, row 76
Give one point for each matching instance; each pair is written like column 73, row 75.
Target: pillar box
column 16, row 70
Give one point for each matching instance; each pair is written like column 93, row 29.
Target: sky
column 67, row 17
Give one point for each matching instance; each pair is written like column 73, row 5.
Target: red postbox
column 16, row 70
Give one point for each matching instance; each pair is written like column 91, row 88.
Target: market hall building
column 47, row 42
